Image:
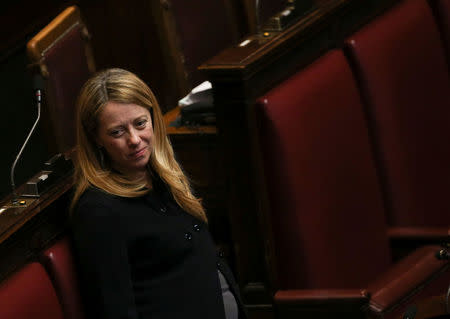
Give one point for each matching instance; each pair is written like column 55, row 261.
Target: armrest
column 320, row 296
column 406, row 278
column 321, row 303
column 419, row 233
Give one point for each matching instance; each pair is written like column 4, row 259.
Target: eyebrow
column 118, row 125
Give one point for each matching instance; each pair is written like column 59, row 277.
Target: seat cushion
column 29, row 294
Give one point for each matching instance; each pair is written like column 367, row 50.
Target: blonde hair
column 122, row 86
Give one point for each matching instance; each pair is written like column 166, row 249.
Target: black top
column 146, row 258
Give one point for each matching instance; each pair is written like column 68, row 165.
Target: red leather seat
column 29, row 294
column 401, row 67
column 59, row 262
column 326, row 211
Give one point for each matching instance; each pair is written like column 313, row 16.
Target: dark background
column 124, row 34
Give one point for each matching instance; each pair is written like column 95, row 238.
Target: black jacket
column 146, row 258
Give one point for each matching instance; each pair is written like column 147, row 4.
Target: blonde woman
column 140, row 235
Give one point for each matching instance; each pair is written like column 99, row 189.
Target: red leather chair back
column 68, row 71
column 443, row 16
column 60, row 265
column 29, row 294
column 400, row 63
column 204, row 28
column 63, row 53
column 326, row 210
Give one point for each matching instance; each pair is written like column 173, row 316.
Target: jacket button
column 197, row 227
column 188, row 236
column 218, row 264
column 163, row 209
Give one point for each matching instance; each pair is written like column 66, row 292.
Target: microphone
column 38, row 84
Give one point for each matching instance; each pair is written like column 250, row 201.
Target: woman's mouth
column 138, row 154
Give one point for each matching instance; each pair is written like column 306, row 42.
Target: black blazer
column 146, row 258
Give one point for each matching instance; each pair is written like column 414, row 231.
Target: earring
column 101, row 157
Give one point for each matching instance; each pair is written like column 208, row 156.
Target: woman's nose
column 133, row 138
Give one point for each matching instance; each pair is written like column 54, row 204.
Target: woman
column 140, row 235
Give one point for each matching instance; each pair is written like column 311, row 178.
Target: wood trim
column 50, row 33
column 46, row 38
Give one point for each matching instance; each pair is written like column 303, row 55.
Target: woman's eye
column 116, row 133
column 141, row 123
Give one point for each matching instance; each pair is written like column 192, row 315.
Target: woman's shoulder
column 95, row 214
column 96, row 196
column 96, row 201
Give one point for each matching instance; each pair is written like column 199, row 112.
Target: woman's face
column 125, row 131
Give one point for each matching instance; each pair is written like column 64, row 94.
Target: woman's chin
column 141, row 163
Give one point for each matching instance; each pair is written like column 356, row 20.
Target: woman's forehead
column 114, row 113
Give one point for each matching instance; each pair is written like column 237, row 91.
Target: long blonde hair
column 122, row 86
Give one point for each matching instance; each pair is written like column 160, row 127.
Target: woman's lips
column 138, row 153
